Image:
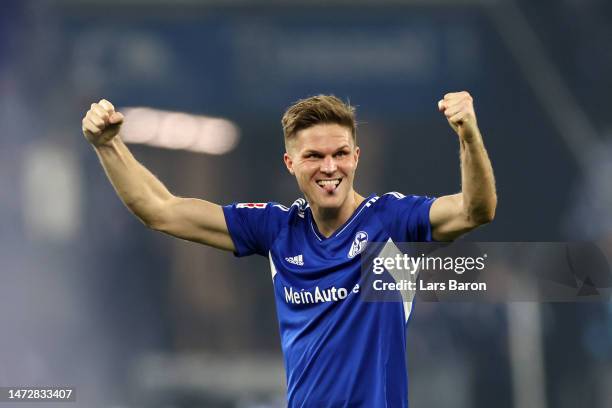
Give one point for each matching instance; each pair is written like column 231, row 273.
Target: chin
column 329, row 202
column 330, row 206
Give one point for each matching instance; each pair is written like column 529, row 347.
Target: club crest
column 359, row 244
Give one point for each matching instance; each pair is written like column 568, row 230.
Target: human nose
column 329, row 165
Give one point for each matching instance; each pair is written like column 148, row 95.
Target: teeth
column 328, row 182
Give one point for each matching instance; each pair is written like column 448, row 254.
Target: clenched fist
column 101, row 123
column 458, row 107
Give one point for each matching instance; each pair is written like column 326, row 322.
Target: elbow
column 155, row 220
column 151, row 224
column 148, row 219
column 486, row 217
column 481, row 218
column 151, row 216
column 485, row 214
column 161, row 216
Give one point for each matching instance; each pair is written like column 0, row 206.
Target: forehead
column 322, row 137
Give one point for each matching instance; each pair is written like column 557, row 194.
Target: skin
column 454, row 215
column 325, row 152
column 321, row 152
column 187, row 218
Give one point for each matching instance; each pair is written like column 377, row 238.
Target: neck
column 328, row 220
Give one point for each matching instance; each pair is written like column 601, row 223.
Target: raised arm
column 454, row 215
column 187, row 218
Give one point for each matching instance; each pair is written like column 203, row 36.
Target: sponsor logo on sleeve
column 251, row 205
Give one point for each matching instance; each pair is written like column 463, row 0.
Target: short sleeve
column 253, row 227
column 406, row 218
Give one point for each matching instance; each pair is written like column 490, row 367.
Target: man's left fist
column 458, row 107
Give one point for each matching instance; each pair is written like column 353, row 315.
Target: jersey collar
column 315, row 230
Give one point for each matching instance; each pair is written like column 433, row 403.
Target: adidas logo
column 296, row 260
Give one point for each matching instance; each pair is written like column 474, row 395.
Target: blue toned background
column 90, row 297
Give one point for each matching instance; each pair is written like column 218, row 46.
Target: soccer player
column 339, row 351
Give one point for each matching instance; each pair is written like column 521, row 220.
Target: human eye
column 341, row 153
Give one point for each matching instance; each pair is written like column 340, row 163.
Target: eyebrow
column 310, row 151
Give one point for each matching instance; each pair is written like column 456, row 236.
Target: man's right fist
column 101, row 123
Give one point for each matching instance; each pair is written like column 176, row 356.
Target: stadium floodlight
column 178, row 130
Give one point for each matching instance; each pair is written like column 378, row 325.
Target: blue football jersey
column 339, row 350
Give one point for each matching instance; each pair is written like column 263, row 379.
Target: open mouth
column 329, row 185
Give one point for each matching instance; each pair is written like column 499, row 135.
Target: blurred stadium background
column 132, row 318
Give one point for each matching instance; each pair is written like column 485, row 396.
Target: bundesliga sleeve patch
column 251, row 205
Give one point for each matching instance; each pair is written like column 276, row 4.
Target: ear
column 356, row 155
column 289, row 163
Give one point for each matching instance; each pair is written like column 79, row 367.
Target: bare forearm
column 186, row 218
column 137, row 187
column 454, row 215
column 477, row 180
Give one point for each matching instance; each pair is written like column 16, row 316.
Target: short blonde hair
column 316, row 110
